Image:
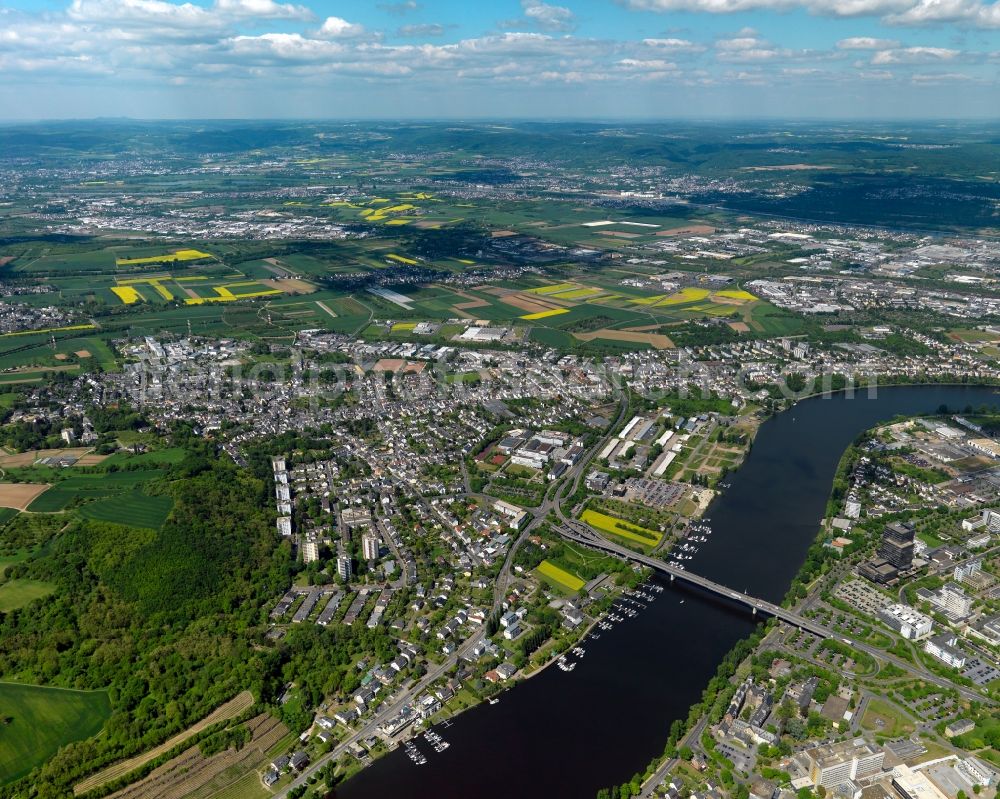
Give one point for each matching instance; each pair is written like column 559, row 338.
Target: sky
column 500, row 59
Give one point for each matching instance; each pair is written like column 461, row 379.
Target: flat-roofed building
column 912, row 784
column 908, row 622
column 834, row 764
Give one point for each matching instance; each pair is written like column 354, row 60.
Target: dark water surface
column 569, row 734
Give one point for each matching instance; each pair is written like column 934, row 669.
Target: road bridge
column 576, row 531
column 582, row 534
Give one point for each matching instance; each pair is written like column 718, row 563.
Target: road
column 658, row 776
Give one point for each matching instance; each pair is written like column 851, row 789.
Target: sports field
column 37, row 721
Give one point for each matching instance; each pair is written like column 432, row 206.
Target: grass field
column 885, row 719
column 41, row 720
column 133, row 509
column 16, row 594
column 169, row 455
column 562, row 578
column 619, row 527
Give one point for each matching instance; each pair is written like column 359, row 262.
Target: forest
column 169, row 622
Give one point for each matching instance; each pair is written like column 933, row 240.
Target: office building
column 950, row 599
column 897, row 545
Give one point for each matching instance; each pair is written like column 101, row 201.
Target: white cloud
column 399, row 9
column 548, row 17
column 970, row 12
column 866, row 43
column 147, row 13
column 927, row 78
column 283, row 46
column 674, row 45
column 262, row 9
column 915, row 55
column 335, row 28
column 646, row 65
column 421, row 30
column 746, row 49
column 896, row 12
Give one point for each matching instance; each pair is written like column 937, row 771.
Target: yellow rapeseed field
column 545, row 314
column 180, row 255
column 560, row 576
column 127, row 294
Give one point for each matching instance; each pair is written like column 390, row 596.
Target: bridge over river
column 582, row 534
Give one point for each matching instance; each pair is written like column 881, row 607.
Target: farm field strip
column 231, row 709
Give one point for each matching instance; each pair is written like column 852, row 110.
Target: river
column 569, row 734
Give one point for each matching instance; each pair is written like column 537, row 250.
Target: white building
column 943, row 648
column 370, row 546
column 310, row 551
column 951, row 598
column 515, row 516
column 344, row 567
column 908, row 622
column 836, row 764
column 991, row 519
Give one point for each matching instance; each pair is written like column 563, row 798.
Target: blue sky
column 630, row 59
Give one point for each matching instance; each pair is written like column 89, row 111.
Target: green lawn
column 885, row 719
column 35, row 722
column 134, row 509
column 16, row 594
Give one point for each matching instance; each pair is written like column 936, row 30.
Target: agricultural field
column 36, row 721
column 225, row 775
column 133, row 509
column 230, row 710
column 34, row 356
column 20, row 495
column 74, row 490
column 165, row 258
column 621, row 528
column 563, row 579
